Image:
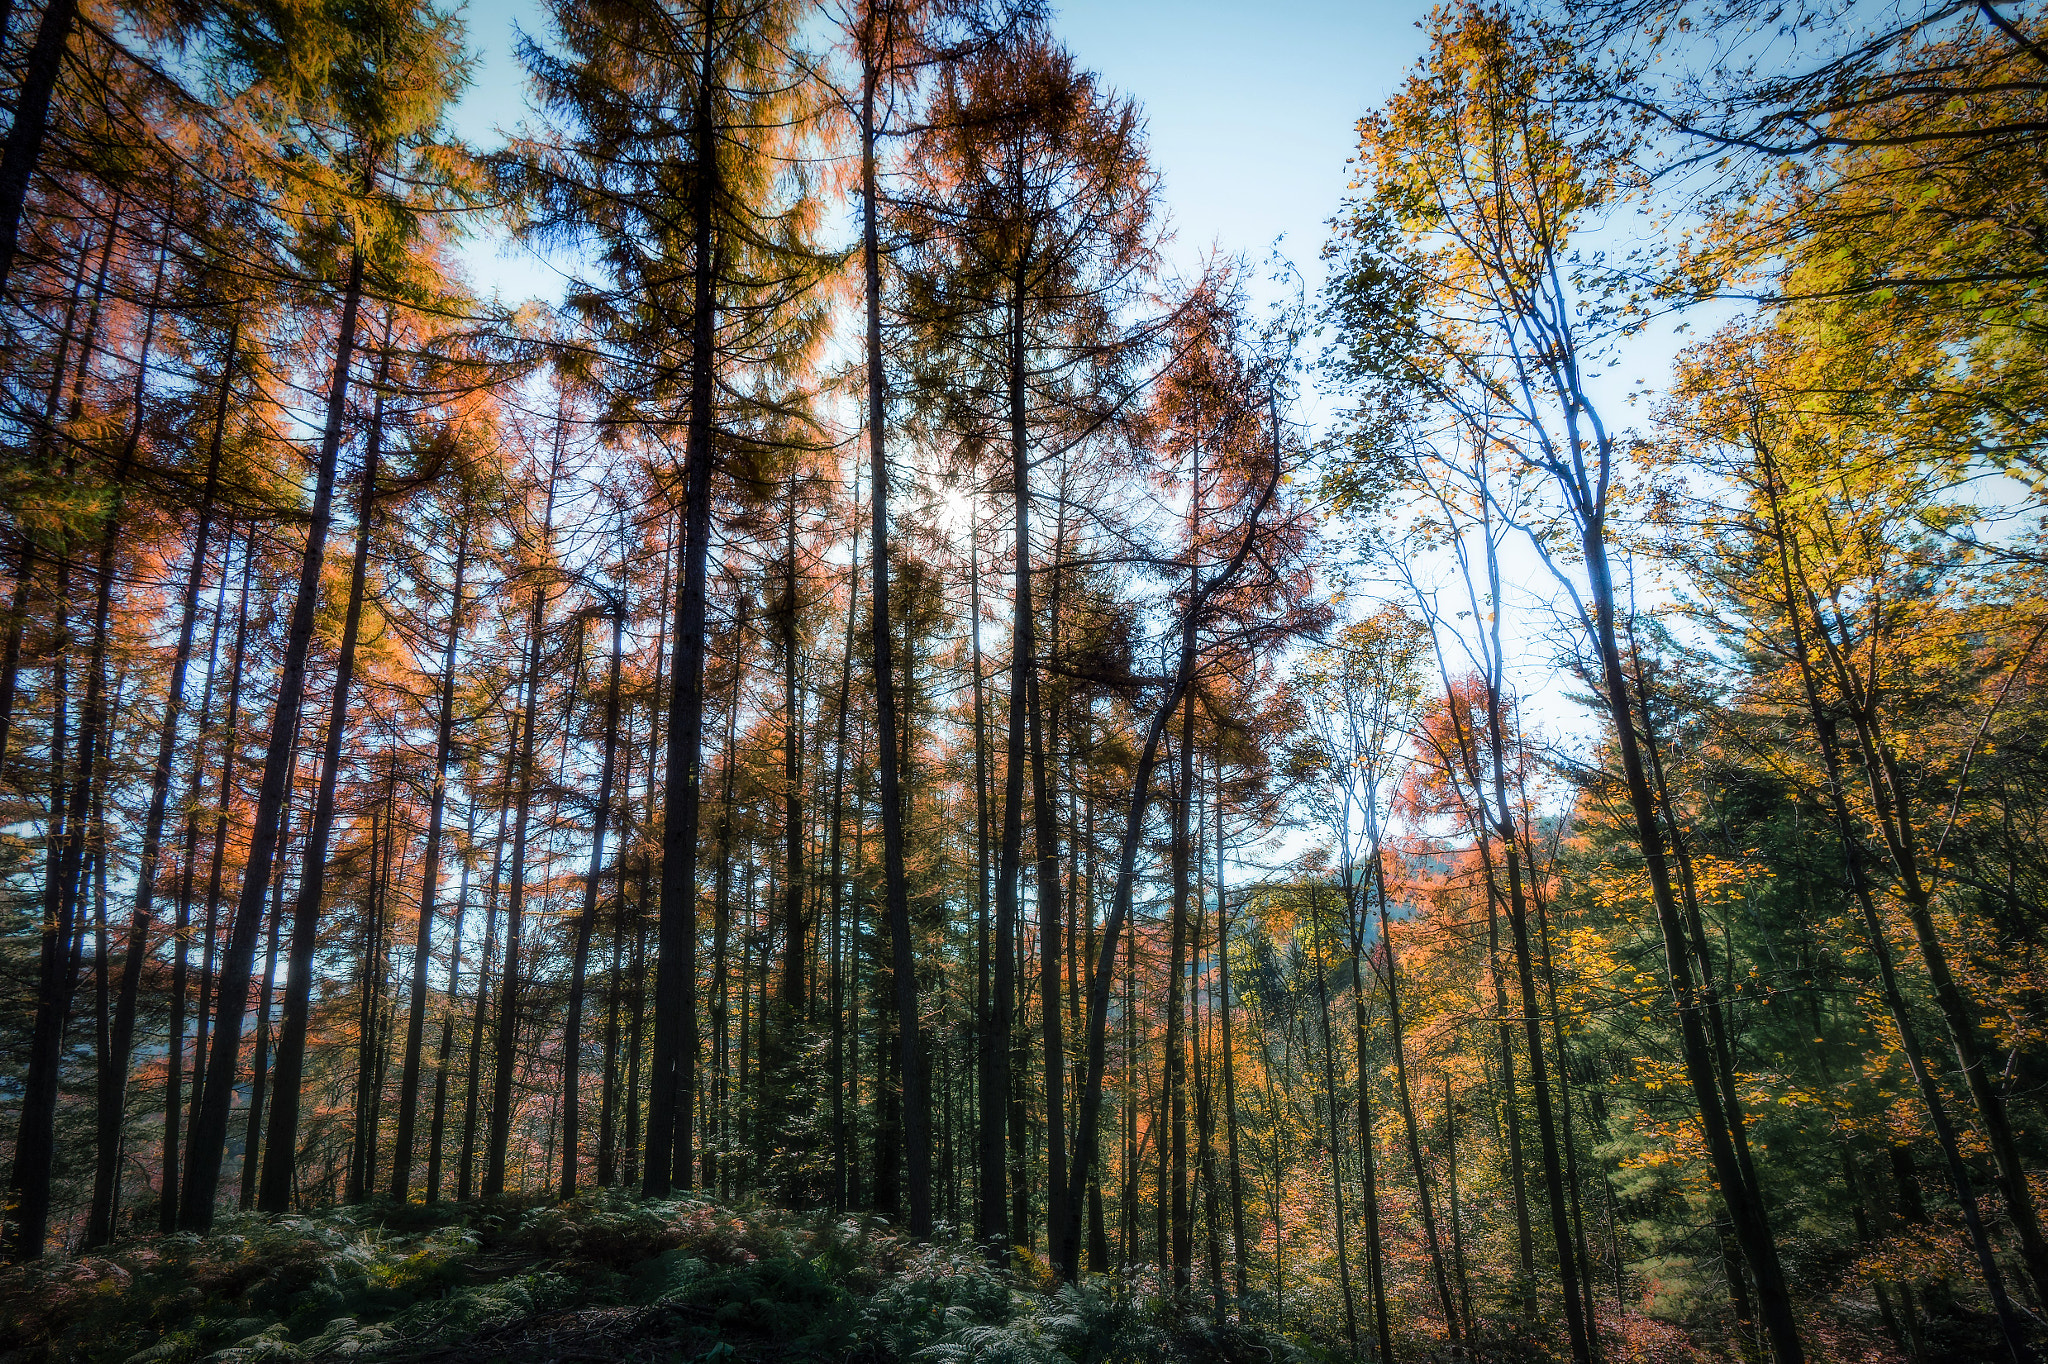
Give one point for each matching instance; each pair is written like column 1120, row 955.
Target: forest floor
column 604, row 1277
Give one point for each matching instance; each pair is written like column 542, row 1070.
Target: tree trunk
column 438, row 1123
column 1744, row 1202
column 1406, row 1099
column 836, row 1076
column 1369, row 1205
column 782, row 1018
column 280, row 1156
column 430, row 873
column 992, row 1019
column 504, row 1044
column 1827, row 732
column 1181, row 1215
column 465, row 1172
column 35, row 1140
column 1578, row 1329
column 1321, row 967
column 181, row 932
column 718, row 1011
column 902, row 952
column 370, row 984
column 608, row 1101
column 24, row 145
column 673, row 1088
column 1045, row 841
column 1451, row 1183
column 113, row 1079
column 259, row 1069
column 1090, row 1108
column 572, row 1028
column 1237, row 1238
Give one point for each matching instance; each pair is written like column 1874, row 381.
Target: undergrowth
column 603, row 1277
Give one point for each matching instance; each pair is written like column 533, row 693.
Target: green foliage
column 945, row 1297
column 791, row 1302
column 1090, row 1323
column 385, row 1281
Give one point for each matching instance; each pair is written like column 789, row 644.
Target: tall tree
column 677, row 118
column 586, row 922
column 430, row 872
column 1457, row 293
column 365, row 90
column 1031, row 202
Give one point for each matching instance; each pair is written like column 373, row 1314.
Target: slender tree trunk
column 1743, row 1201
column 1827, row 732
column 633, row 1049
column 991, row 995
column 1010, row 856
column 24, row 145
column 181, row 945
column 113, row 1085
column 673, row 1090
column 1577, row 1328
column 1451, row 1186
column 1205, row 1129
column 902, row 952
column 480, row 1012
column 608, row 1102
column 438, row 1123
column 1402, row 1093
column 224, row 802
column 1510, row 1091
column 505, row 1043
column 216, row 861
column 281, row 1150
column 782, row 1017
column 1182, row 1215
column 1192, row 613
column 1237, row 1238
column 572, row 1028
column 259, row 1078
column 1369, row 1198
column 608, row 1111
column 1098, row 1231
column 430, row 873
column 35, row 1140
column 1564, row 1095
column 1321, row 967
column 370, row 977
column 102, row 1002
column 1045, row 841
column 836, row 1062
column 1505, row 833
column 718, row 1008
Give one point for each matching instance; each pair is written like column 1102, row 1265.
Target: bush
column 939, row 1298
column 790, row 1302
column 383, row 1282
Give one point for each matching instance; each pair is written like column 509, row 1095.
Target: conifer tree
column 364, row 93
column 676, row 115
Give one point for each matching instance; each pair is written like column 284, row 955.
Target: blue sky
column 1250, row 106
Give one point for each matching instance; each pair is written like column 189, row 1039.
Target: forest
column 913, row 767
